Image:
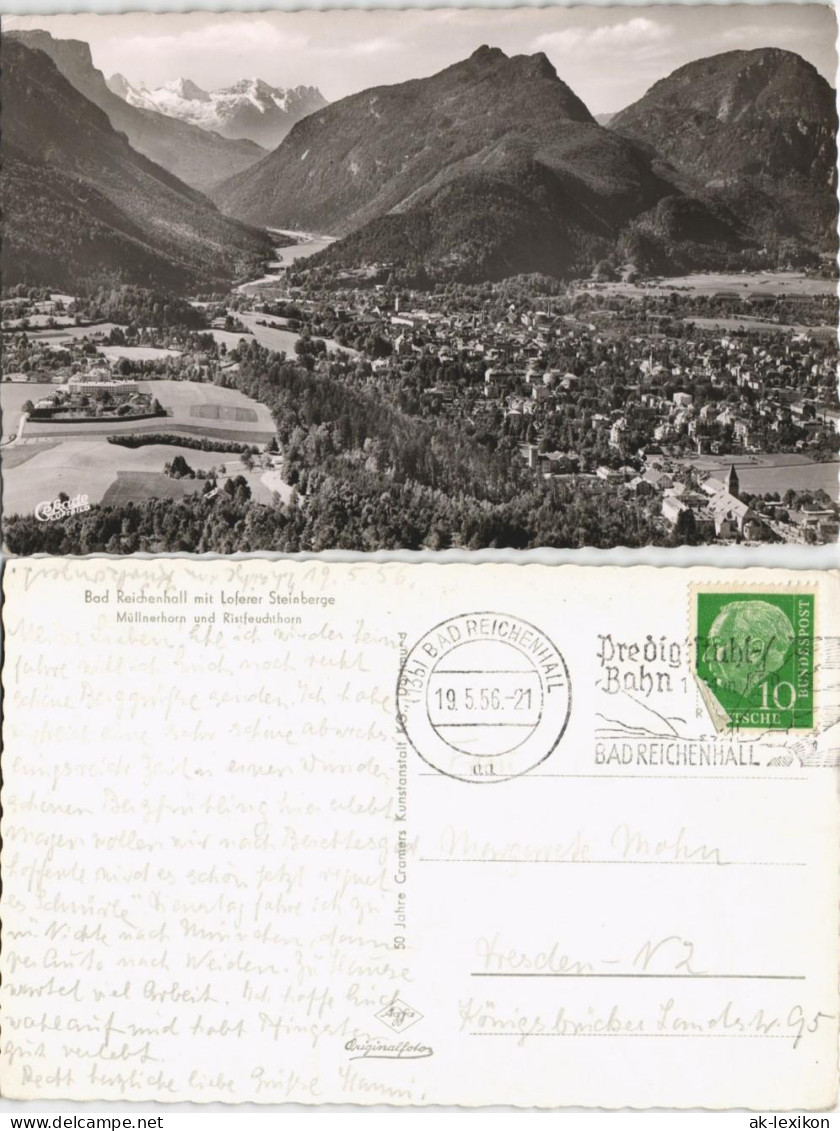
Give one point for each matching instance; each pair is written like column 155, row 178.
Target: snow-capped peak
column 250, row 108
column 185, row 89
column 134, row 94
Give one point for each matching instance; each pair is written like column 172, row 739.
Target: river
column 307, row 243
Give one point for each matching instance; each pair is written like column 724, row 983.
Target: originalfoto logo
column 54, row 510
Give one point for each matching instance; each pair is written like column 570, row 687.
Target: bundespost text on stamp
column 754, row 658
column 484, row 696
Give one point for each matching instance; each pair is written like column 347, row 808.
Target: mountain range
column 80, row 204
column 249, row 109
column 755, row 128
column 489, row 168
column 196, row 156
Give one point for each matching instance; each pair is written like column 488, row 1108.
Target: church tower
column 732, row 484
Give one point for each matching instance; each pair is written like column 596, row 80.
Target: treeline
column 60, row 233
column 138, row 306
column 24, row 291
column 327, row 424
column 473, row 229
column 361, row 511
column 196, row 443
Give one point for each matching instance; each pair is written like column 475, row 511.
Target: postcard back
column 420, row 834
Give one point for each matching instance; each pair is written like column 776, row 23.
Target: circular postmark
column 484, row 696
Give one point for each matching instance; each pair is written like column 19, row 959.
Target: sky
column 608, row 56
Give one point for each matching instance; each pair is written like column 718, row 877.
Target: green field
column 40, row 322
column 14, row 395
column 758, row 326
column 224, row 412
column 283, row 341
column 218, row 409
column 192, row 407
column 113, row 475
column 21, row 453
column 138, row 353
column 134, row 486
column 92, row 468
column 747, row 283
column 763, row 474
column 65, row 334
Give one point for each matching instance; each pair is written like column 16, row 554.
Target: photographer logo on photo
column 53, row 510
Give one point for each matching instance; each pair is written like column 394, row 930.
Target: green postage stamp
column 754, row 657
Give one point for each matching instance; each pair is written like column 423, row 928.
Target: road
column 18, row 436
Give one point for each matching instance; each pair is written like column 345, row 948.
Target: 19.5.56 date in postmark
column 483, row 697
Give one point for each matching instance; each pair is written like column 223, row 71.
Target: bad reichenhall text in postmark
column 754, row 657
column 484, row 697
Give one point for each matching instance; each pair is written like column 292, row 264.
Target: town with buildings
column 717, row 426
column 724, row 432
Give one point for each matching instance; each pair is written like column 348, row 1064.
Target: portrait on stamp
column 754, row 658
